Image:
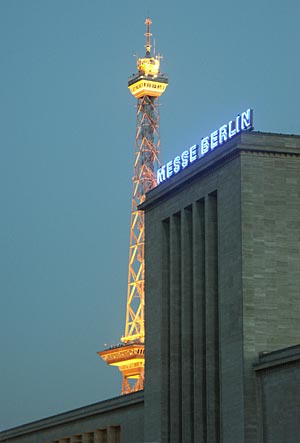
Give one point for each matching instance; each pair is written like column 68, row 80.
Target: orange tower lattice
column 147, row 85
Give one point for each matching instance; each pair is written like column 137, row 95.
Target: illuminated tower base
column 130, row 360
column 147, row 85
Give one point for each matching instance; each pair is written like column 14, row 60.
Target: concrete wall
column 222, row 284
column 222, row 261
column 112, row 421
column 270, row 174
column 194, row 341
column 278, row 378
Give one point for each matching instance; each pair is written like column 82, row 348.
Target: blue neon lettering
column 231, row 130
column 214, row 140
column 161, row 174
column 246, row 119
column 204, row 145
column 242, row 122
column 193, row 153
column 238, row 124
column 223, row 135
column 176, row 164
column 184, row 159
column 169, row 169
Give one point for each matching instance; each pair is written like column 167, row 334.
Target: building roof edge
column 248, row 141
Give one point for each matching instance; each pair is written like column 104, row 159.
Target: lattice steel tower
column 147, row 86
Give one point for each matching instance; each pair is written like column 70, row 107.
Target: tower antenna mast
column 148, row 34
column 147, row 85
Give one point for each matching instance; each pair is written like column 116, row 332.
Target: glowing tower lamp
column 147, row 85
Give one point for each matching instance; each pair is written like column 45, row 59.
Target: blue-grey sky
column 67, row 130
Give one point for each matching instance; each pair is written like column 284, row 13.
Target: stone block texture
column 278, row 382
column 222, row 285
column 112, row 421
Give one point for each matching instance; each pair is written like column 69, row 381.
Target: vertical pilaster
column 101, row 436
column 113, row 434
column 199, row 322
column 175, row 330
column 89, row 437
column 165, row 335
column 187, row 365
column 212, row 320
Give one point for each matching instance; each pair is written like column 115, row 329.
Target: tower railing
column 147, row 85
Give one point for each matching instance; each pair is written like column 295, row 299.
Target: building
column 222, row 262
column 222, row 287
column 105, row 422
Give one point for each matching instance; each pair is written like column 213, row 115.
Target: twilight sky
column 67, row 130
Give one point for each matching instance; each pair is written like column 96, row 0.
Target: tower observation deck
column 147, row 85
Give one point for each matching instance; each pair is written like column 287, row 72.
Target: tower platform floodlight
column 147, row 85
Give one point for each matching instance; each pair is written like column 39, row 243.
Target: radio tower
column 146, row 86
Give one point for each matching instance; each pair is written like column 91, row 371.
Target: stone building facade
column 222, row 261
column 222, row 286
column 112, row 421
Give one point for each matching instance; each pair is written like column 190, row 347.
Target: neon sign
column 243, row 122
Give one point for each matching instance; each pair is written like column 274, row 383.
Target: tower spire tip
column 148, row 34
